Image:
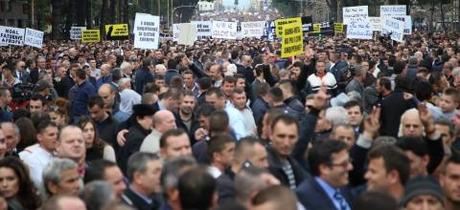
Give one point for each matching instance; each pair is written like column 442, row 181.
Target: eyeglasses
column 343, row 164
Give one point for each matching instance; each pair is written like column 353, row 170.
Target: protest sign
column 279, row 24
column 357, row 13
column 292, row 39
column 338, row 28
column 392, row 10
column 11, row 36
column 92, row 35
column 357, row 21
column 176, row 32
column 117, row 31
column 376, row 24
column 253, row 29
column 393, row 27
column 187, row 35
column 223, row 30
column 316, row 28
column 407, row 23
column 33, row 38
column 203, row 29
column 146, row 31
column 75, row 32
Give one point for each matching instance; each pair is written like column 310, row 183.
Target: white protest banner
column 146, row 31
column 393, row 27
column 253, row 29
column 176, row 32
column 376, row 23
column 355, row 13
column 11, row 36
column 75, row 32
column 407, row 23
column 204, row 29
column 223, row 30
column 187, row 34
column 359, row 30
column 34, row 38
column 392, row 10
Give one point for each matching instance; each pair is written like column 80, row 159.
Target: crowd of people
column 229, row 124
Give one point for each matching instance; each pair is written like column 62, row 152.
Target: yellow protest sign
column 92, row 35
column 292, row 40
column 116, row 31
column 280, row 23
column 338, row 28
column 316, row 28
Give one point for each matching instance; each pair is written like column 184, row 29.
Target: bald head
column 71, row 143
column 63, row 202
column 105, row 69
column 411, row 124
column 163, row 121
column 107, row 93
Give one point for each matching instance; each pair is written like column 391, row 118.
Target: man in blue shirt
column 79, row 96
column 330, row 164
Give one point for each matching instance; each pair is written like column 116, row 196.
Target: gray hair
column 336, row 115
column 123, row 81
column 172, row 169
column 15, row 127
column 456, row 72
column 52, row 171
column 138, row 163
column 248, row 181
column 98, row 194
column 125, row 65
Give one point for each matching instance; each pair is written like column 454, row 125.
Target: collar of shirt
column 330, row 191
column 145, row 198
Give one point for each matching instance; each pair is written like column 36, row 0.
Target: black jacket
column 133, row 200
column 275, row 168
column 312, row 196
column 133, row 143
column 392, row 107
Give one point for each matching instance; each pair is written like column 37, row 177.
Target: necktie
column 341, row 200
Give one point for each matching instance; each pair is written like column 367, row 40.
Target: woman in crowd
column 96, row 148
column 16, row 186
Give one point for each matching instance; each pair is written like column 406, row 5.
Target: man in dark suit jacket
column 329, row 163
column 141, row 191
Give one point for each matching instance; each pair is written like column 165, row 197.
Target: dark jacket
column 312, row 196
column 295, row 104
column 392, row 107
column 142, row 77
column 79, row 96
column 275, row 168
column 103, row 80
column 170, row 73
column 247, row 72
column 259, row 108
column 63, row 87
column 136, row 135
column 133, row 200
column 195, row 124
column 107, row 130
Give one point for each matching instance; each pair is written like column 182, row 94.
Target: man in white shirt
column 37, row 156
column 239, row 102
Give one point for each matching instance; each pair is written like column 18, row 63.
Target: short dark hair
column 277, row 94
column 96, row 169
column 205, row 110
column 414, row 144
column 353, row 103
column 81, row 73
column 453, row 92
column 96, row 100
column 321, row 153
column 174, row 93
column 214, row 90
column 376, row 200
column 394, row 159
column 37, row 97
column 173, row 132
column 385, row 82
column 286, row 119
column 229, row 79
column 42, row 125
column 204, row 83
column 218, row 121
column 217, row 144
column 196, row 189
column 399, row 66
